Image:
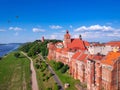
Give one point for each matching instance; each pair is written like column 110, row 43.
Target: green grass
column 65, row 78
column 15, row 73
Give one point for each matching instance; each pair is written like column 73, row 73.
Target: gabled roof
column 76, row 55
column 80, row 56
column 96, row 57
column 78, row 44
column 83, row 57
column 111, row 58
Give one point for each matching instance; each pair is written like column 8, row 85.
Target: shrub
column 17, row 54
column 51, row 74
column 43, row 79
column 0, row 58
column 42, row 69
column 43, row 74
column 56, row 87
column 64, row 69
column 37, row 66
column 47, row 78
column 49, row 88
column 58, row 65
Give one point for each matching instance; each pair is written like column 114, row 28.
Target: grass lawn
column 65, row 78
column 42, row 82
column 15, row 73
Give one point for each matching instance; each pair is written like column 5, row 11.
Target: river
column 7, row 48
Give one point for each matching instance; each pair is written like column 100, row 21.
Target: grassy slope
column 15, row 73
column 65, row 78
column 43, row 85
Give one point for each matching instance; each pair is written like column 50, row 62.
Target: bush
column 64, row 69
column 37, row 66
column 47, row 78
column 49, row 88
column 17, row 54
column 58, row 65
column 43, row 79
column 43, row 74
column 51, row 74
column 0, row 58
column 56, row 87
column 42, row 69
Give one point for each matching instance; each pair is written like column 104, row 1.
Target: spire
column 42, row 38
column 80, row 36
column 67, row 31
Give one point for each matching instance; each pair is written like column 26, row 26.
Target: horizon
column 28, row 20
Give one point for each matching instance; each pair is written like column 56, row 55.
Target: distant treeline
column 36, row 47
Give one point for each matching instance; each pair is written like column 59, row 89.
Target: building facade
column 96, row 65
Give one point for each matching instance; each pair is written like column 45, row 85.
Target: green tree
column 58, row 65
column 17, row 54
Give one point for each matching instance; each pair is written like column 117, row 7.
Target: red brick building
column 100, row 71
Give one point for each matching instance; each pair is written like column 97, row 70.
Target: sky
column 27, row 20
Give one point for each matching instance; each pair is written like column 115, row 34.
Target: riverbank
column 15, row 73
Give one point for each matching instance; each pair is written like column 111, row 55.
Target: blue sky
column 95, row 20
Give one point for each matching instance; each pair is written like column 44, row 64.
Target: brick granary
column 97, row 65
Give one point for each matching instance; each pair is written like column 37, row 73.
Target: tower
column 42, row 39
column 67, row 39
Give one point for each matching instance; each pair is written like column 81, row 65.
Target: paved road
column 34, row 80
column 54, row 74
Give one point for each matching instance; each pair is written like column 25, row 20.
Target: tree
column 64, row 69
column 58, row 65
column 17, row 54
column 0, row 58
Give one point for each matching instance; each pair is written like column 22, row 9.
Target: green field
column 65, row 78
column 15, row 73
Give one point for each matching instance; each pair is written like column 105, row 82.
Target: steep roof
column 78, row 44
column 111, row 58
column 96, row 57
column 83, row 57
column 76, row 55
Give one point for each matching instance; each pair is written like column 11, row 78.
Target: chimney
column 80, row 37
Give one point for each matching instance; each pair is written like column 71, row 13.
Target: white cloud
column 2, row 30
column 94, row 27
column 15, row 28
column 55, row 27
column 71, row 26
column 38, row 30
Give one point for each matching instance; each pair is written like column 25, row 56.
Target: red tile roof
column 95, row 57
column 111, row 58
column 78, row 44
column 83, row 57
column 76, row 55
column 114, row 43
column 58, row 50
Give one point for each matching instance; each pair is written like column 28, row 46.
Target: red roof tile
column 111, row 58
column 96, row 57
column 78, row 44
column 83, row 57
column 76, row 55
column 114, row 43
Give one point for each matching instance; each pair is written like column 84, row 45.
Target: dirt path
column 34, row 80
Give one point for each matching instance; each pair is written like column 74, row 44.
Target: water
column 7, row 48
